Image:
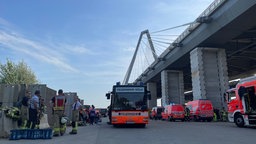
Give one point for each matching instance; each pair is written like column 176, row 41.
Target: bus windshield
column 129, row 101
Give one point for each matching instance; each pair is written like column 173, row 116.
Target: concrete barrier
column 8, row 97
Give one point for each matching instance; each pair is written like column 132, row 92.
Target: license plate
column 130, row 122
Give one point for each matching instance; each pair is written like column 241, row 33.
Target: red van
column 201, row 110
column 173, row 112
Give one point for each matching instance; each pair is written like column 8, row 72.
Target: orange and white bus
column 128, row 105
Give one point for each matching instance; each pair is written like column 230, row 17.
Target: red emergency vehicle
column 156, row 112
column 242, row 103
column 201, row 109
column 173, row 112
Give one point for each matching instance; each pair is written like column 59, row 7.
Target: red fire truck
column 242, row 103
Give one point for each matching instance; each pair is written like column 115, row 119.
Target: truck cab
column 241, row 103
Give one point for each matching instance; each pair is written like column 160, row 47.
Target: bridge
column 219, row 46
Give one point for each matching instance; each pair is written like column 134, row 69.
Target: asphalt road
column 157, row 132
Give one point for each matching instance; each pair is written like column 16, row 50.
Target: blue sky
column 84, row 46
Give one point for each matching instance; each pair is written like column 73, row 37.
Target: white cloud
column 79, row 49
column 76, row 49
column 4, row 23
column 130, row 49
column 35, row 49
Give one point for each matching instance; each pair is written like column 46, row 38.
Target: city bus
column 128, row 105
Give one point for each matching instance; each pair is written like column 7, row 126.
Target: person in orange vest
column 58, row 102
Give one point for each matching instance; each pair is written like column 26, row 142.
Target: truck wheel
column 239, row 121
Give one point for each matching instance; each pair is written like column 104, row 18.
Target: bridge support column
column 172, row 87
column 152, row 87
column 209, row 75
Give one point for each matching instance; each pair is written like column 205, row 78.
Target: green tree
column 11, row 73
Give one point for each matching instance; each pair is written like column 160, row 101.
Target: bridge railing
column 213, row 6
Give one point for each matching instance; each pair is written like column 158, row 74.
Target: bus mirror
column 108, row 95
column 242, row 91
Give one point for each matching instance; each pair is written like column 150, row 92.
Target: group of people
column 32, row 108
column 58, row 105
column 89, row 115
column 78, row 113
column 220, row 115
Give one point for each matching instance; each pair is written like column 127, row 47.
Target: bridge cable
column 128, row 73
column 145, row 52
column 149, row 48
column 173, row 27
column 161, row 47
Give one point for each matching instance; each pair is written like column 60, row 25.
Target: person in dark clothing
column 187, row 114
column 217, row 112
column 109, row 114
column 92, row 114
column 34, row 109
column 24, row 110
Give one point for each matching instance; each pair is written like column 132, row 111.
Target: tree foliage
column 11, row 73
